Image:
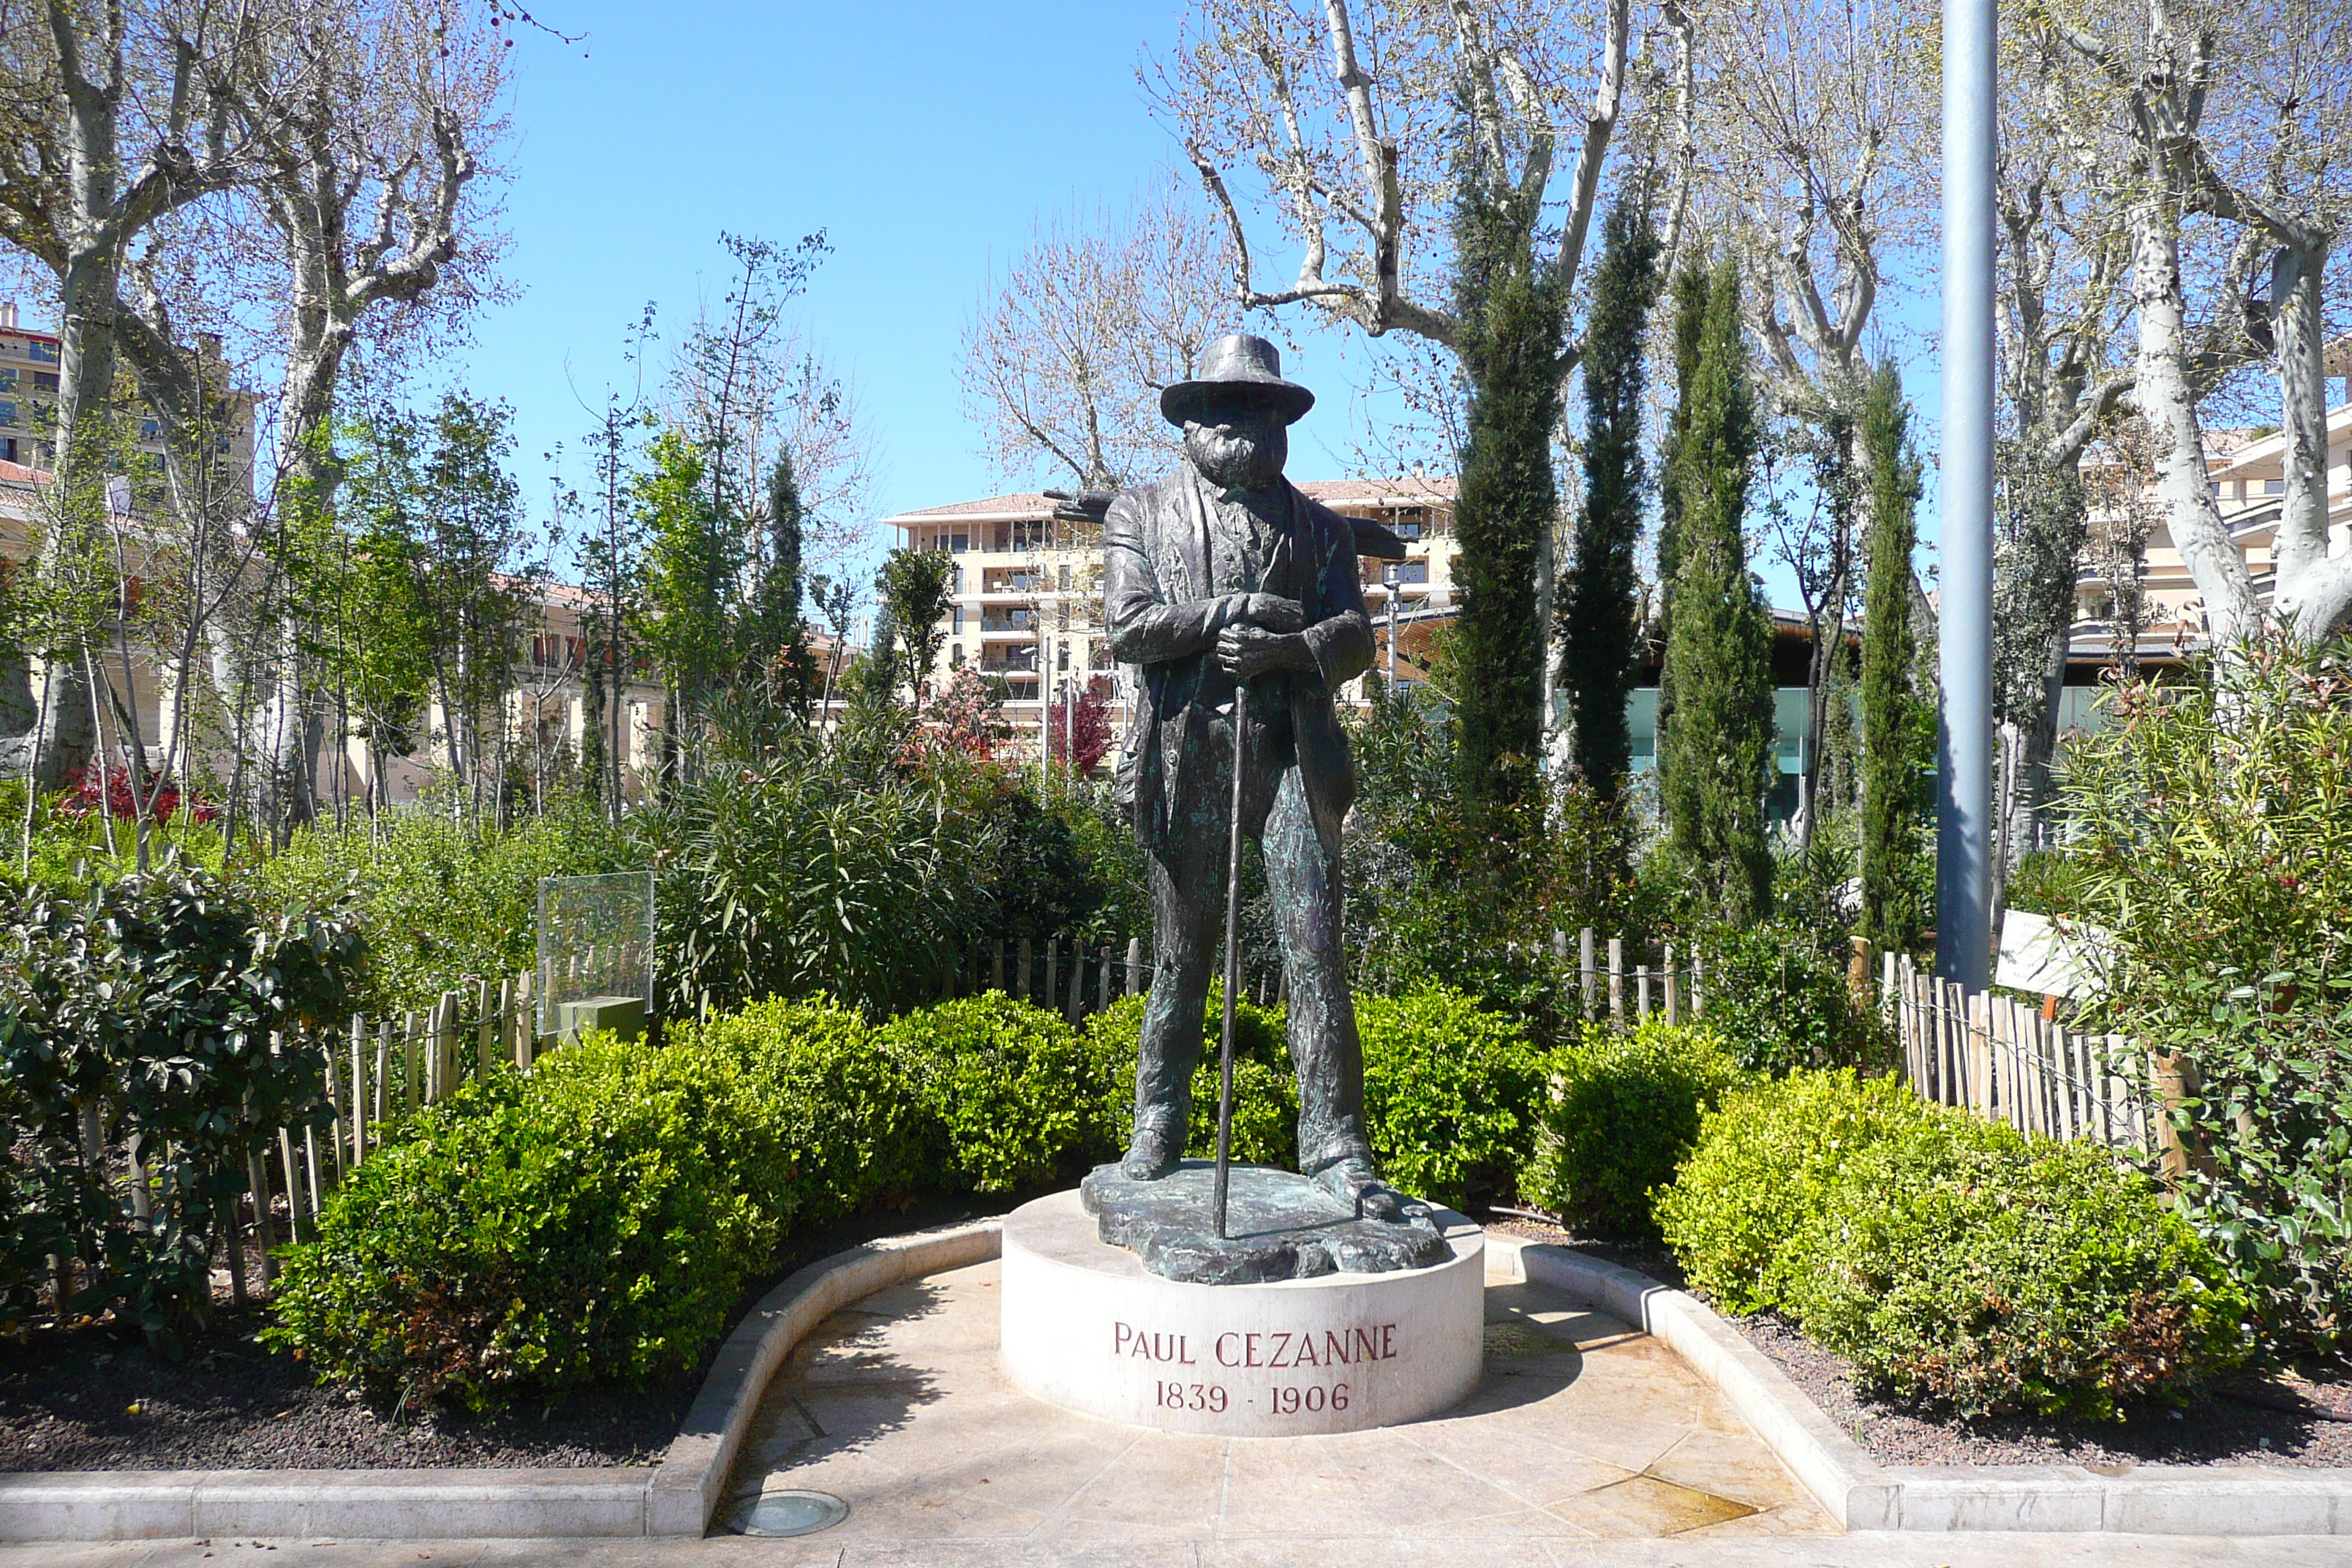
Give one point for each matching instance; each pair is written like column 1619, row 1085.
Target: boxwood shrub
column 1005, row 1082
column 1265, row 1094
column 2015, row 1274
column 1450, row 1095
column 1622, row 1110
column 594, row 1219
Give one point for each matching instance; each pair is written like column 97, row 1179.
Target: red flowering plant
column 99, row 786
column 963, row 720
column 1080, row 733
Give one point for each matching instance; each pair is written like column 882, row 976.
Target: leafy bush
column 2004, row 1273
column 1450, row 1094
column 1625, row 1108
column 844, row 1110
column 1005, row 1081
column 595, row 1219
column 1265, row 1094
column 439, row 899
column 154, row 1004
column 1762, row 1170
column 2212, row 844
column 1778, row 1001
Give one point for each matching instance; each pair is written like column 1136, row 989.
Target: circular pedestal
column 1087, row 1328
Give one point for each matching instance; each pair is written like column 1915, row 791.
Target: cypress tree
column 1597, row 630
column 1689, row 327
column 1897, row 737
column 1509, row 306
column 1715, row 754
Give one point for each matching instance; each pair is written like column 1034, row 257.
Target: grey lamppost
column 1964, row 868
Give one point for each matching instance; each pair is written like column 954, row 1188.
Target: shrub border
column 1862, row 1494
column 675, row 1497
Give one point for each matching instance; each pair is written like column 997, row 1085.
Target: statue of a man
column 1221, row 574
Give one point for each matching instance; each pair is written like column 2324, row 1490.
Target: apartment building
column 1028, row 590
column 28, row 396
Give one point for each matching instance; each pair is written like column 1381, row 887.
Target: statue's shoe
column 1149, row 1158
column 1355, row 1183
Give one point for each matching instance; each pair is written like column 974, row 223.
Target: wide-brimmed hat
column 1239, row 362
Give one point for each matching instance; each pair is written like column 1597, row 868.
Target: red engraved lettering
column 1225, row 1355
column 1388, row 1342
column 1368, row 1345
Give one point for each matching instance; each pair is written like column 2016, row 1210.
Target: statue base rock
column 1279, row 1226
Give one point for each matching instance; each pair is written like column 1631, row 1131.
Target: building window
column 7, row 380
column 955, row 650
column 959, row 543
column 45, row 353
column 1062, row 661
column 150, row 429
column 2273, row 487
column 958, row 619
column 7, row 413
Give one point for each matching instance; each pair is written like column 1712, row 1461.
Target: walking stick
column 1232, row 931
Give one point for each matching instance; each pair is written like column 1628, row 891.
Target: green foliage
column 1779, row 1002
column 1450, row 1092
column 1898, row 731
column 1762, row 1172
column 918, row 587
column 2047, row 882
column 1265, row 1094
column 1624, row 1110
column 1510, row 308
column 1714, row 752
column 440, row 900
column 594, row 1220
column 846, row 1111
column 156, row 998
column 690, row 561
column 2212, row 844
column 1002, row 1077
column 1597, row 632
column 1994, row 1273
column 789, row 878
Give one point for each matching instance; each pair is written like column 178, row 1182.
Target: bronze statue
column 1222, row 581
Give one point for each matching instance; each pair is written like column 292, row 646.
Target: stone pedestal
column 1089, row 1327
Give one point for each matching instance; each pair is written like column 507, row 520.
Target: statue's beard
column 1237, row 459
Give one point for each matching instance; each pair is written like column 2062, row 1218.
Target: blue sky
column 926, row 139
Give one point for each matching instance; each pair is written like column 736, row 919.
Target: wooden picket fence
column 1632, row 987
column 1058, row 975
column 2001, row 1058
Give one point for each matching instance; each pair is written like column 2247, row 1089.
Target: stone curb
column 1862, row 1494
column 675, row 1497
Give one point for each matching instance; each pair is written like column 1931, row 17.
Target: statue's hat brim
column 1237, row 364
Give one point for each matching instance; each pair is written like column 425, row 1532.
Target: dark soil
column 93, row 1397
column 2280, row 1416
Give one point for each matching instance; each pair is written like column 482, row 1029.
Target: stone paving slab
column 1583, row 1430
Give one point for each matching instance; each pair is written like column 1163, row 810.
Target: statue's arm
column 1341, row 641
column 1144, row 628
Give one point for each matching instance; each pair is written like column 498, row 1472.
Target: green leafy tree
column 1597, row 627
column 1511, row 351
column 1689, row 326
column 1715, row 756
column 689, row 569
column 918, row 591
column 1897, row 733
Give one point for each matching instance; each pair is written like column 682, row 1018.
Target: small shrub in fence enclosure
column 2011, row 1273
column 1622, row 1110
column 595, row 1219
column 1265, row 1095
column 1003, row 1079
column 1761, row 1172
column 847, row 1112
column 1779, row 1003
column 166, row 1011
column 1450, row 1095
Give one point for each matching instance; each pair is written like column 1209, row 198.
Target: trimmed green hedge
column 1623, row 1111
column 1265, row 1094
column 1950, row 1258
column 1450, row 1094
column 1004, row 1080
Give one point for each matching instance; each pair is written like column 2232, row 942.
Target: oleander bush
column 1265, row 1094
column 1450, row 1092
column 594, row 1219
column 1949, row 1258
column 1003, row 1079
column 1622, row 1110
column 2002, row 1273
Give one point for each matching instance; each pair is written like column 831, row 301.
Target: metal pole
column 1233, row 970
column 1393, row 578
column 1964, row 749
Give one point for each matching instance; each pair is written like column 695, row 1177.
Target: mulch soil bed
column 92, row 1398
column 2278, row 1417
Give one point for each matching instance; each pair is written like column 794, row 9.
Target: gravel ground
column 2278, row 1419
column 93, row 1398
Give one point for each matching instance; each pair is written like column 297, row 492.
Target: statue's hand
column 1276, row 614
column 1245, row 650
